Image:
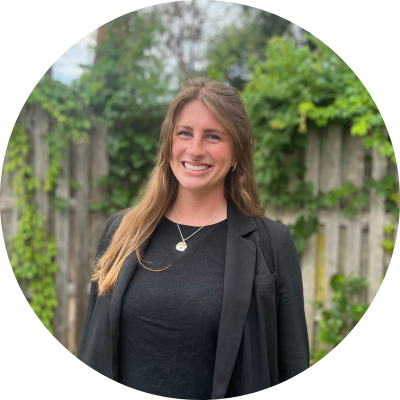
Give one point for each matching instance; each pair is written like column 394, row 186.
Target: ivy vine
column 33, row 250
column 298, row 88
column 337, row 321
column 294, row 89
column 70, row 123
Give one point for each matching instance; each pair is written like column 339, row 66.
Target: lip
column 191, row 172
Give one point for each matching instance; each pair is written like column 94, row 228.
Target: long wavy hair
column 138, row 223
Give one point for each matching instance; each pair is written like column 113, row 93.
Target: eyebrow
column 208, row 130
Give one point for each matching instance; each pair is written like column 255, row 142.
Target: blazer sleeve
column 101, row 248
column 293, row 347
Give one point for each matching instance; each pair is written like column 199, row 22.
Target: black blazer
column 262, row 338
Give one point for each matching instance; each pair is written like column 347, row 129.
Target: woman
column 196, row 294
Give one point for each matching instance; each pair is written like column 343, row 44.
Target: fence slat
column 353, row 171
column 330, row 178
column 99, row 167
column 62, row 236
column 376, row 256
column 308, row 272
column 81, row 236
column 38, row 127
column 309, row 257
column 312, row 159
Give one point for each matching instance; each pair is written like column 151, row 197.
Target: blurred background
column 85, row 143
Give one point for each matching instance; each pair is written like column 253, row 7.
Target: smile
column 195, row 168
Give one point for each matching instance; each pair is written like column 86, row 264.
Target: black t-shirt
column 170, row 319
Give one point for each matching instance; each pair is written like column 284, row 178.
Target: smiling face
column 202, row 149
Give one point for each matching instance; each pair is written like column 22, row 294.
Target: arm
column 105, row 240
column 88, row 317
column 293, row 348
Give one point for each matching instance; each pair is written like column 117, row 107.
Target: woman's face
column 202, row 149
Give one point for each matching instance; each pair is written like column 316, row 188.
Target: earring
column 234, row 168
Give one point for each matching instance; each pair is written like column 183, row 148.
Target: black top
column 169, row 319
column 257, row 348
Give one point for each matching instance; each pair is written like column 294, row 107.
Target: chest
column 187, row 290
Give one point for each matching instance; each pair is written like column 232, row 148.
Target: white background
column 35, row 34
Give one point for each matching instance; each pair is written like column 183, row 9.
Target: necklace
column 182, row 246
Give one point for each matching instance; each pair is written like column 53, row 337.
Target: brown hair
column 139, row 222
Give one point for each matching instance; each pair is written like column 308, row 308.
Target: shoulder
column 272, row 226
column 109, row 230
column 115, row 219
column 112, row 225
column 271, row 232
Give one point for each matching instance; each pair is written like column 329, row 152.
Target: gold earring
column 234, row 168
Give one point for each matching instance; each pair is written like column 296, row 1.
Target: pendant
column 181, row 246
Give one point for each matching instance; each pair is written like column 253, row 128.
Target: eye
column 184, row 133
column 214, row 137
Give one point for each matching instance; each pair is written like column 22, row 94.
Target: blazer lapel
column 124, row 278
column 240, row 260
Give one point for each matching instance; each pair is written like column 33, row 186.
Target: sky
column 67, row 68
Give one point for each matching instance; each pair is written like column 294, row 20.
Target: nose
column 195, row 149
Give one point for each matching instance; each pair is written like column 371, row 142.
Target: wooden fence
column 339, row 245
column 77, row 230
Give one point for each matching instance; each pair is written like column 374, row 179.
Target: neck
column 197, row 209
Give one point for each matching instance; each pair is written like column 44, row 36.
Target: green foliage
column 229, row 52
column 346, row 311
column 303, row 228
column 73, row 184
column 378, row 140
column 388, row 189
column 70, row 122
column 352, row 198
column 233, row 51
column 293, row 85
column 292, row 90
column 33, row 250
column 297, row 89
column 272, row 99
column 62, row 103
column 126, row 87
column 388, row 243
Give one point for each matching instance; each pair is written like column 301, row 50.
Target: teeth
column 195, row 168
